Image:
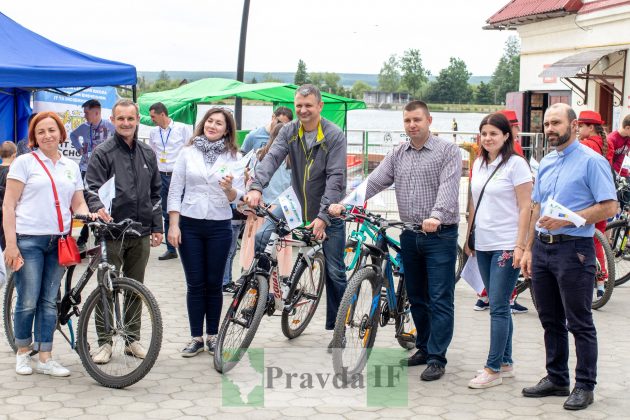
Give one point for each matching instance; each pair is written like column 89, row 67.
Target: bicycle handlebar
column 126, row 225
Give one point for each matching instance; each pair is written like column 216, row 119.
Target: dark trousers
column 563, row 277
column 85, row 230
column 204, row 254
column 130, row 257
column 429, row 264
column 166, row 184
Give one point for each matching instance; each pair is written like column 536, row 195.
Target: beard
column 560, row 139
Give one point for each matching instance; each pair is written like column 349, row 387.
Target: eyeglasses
column 224, row 108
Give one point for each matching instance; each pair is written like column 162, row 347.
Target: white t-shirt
column 35, row 213
column 168, row 143
column 496, row 225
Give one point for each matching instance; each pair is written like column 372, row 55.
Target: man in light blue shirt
column 560, row 257
column 259, row 137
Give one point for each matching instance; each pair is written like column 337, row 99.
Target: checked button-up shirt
column 426, row 180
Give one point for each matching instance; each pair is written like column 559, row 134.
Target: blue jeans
column 429, row 262
column 333, row 255
column 563, row 275
column 499, row 279
column 37, row 284
column 166, row 184
column 236, row 228
column 204, row 255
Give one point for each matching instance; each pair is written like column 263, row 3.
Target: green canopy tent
column 182, row 102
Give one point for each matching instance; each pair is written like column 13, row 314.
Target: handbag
column 471, row 236
column 67, row 249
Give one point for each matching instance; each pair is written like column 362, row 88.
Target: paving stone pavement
column 190, row 388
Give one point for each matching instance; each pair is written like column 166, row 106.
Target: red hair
column 32, row 141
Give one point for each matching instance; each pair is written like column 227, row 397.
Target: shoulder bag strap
column 54, row 187
column 481, row 194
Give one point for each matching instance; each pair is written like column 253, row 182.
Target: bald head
column 560, row 125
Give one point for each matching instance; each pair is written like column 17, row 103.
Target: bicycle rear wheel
column 306, row 290
column 617, row 231
column 134, row 318
column 605, row 274
column 357, row 322
column 8, row 308
column 240, row 323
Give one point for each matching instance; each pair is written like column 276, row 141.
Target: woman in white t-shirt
column 500, row 234
column 31, row 229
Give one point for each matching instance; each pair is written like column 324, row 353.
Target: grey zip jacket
column 318, row 175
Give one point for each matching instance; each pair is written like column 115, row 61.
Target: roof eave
column 512, row 24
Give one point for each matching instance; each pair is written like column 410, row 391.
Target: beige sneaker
column 52, row 368
column 485, row 380
column 23, row 363
column 102, row 355
column 135, row 349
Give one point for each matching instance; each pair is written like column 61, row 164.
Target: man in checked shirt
column 426, row 171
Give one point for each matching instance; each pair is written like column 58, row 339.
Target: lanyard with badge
column 92, row 136
column 164, row 143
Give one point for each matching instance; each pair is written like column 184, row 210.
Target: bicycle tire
column 353, row 256
column 407, row 343
column 8, row 302
column 296, row 277
column 124, row 285
column 622, row 265
column 260, row 285
column 346, row 314
column 609, row 284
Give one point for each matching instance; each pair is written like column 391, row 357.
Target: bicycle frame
column 366, row 230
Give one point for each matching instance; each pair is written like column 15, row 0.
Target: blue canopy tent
column 30, row 62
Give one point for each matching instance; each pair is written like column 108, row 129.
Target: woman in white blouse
column 200, row 222
column 31, row 227
column 500, row 233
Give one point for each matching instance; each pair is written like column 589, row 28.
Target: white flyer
column 557, row 211
column 291, row 208
column 107, row 193
column 626, row 163
column 471, row 274
column 238, row 168
column 357, row 197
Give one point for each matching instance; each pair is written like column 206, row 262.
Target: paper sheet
column 107, row 193
column 557, row 211
column 471, row 274
column 291, row 208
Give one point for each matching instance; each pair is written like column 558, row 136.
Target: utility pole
column 240, row 69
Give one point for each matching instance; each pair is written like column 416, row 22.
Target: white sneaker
column 101, row 355
column 135, row 349
column 23, row 363
column 52, row 368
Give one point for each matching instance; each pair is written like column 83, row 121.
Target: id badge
column 163, row 157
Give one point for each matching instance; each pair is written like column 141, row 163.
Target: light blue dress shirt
column 577, row 178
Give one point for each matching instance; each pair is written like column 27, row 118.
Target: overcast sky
column 340, row 36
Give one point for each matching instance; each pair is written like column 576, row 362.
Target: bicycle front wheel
column 133, row 337
column 8, row 309
column 405, row 328
column 357, row 322
column 307, row 284
column 241, row 323
column 605, row 275
column 617, row 231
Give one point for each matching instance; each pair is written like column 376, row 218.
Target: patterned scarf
column 210, row 149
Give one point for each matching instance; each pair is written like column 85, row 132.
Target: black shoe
column 432, row 372
column 330, row 345
column 417, row 359
column 192, row 349
column 168, row 255
column 579, row 399
column 211, row 343
column 545, row 388
column 230, row 288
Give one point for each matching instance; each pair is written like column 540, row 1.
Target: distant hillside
column 347, row 79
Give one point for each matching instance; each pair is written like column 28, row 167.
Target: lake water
column 364, row 119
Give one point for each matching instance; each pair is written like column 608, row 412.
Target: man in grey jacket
column 317, row 149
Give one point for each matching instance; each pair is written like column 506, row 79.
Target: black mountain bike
column 262, row 291
column 112, row 308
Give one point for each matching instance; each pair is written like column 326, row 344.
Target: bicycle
column 262, row 291
column 124, row 300
column 371, row 300
column 618, row 232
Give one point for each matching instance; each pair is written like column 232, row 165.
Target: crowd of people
column 181, row 187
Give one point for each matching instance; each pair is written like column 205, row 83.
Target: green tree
column 451, row 85
column 414, row 75
column 268, row 77
column 327, row 82
column 507, row 73
column 253, row 81
column 301, row 76
column 389, row 76
column 359, row 88
column 484, row 94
